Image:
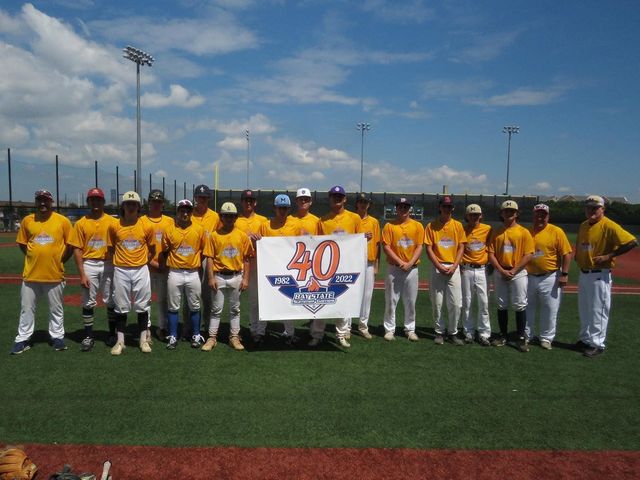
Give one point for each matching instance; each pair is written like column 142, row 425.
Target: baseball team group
column 204, row 259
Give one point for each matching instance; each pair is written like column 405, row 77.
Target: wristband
column 564, row 274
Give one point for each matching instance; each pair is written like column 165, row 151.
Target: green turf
column 377, row 394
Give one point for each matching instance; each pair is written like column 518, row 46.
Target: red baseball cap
column 44, row 193
column 95, row 192
column 446, row 200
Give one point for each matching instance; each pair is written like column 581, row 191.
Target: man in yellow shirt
column 339, row 221
column 250, row 222
column 228, row 253
column 182, row 246
column 599, row 241
column 474, row 277
column 548, row 272
column 309, row 223
column 89, row 242
column 510, row 249
column 371, row 229
column 445, row 240
column 402, row 241
column 42, row 238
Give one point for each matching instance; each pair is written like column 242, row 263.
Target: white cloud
column 296, row 153
column 444, row 89
column 543, row 186
column 411, row 11
column 233, row 143
column 520, row 97
column 10, row 25
column 179, row 97
column 487, row 46
column 12, row 133
column 564, row 189
column 257, row 124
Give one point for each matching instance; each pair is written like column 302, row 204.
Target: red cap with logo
column 95, row 192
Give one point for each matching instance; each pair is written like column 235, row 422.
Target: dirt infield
column 313, row 463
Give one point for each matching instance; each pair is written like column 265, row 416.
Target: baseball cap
column 541, row 206
column 446, row 200
column 363, row 197
column 156, row 195
column 303, row 192
column 228, row 208
column 594, row 201
column 509, row 204
column 403, row 201
column 44, row 193
column 202, row 191
column 131, row 196
column 185, row 204
column 473, row 208
column 95, row 192
column 337, row 190
column 282, row 200
column 246, row 194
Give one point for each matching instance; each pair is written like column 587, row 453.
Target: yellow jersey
column 90, row 236
column 228, row 251
column 183, row 246
column 159, row 225
column 475, row 250
column 250, row 225
column 403, row 238
column 444, row 239
column 46, row 243
column 210, row 221
column 601, row 238
column 291, row 228
column 509, row 245
column 371, row 224
column 551, row 244
column 343, row 223
column 309, row 224
column 131, row 243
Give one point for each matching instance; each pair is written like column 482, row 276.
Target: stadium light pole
column 247, row 136
column 510, row 130
column 138, row 57
column 362, row 127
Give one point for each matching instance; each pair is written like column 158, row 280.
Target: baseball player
column 89, row 242
column 210, row 221
column 548, row 272
column 281, row 225
column 228, row 253
column 445, row 240
column 182, row 247
column 42, row 238
column 250, row 222
column 510, row 249
column 402, row 241
column 371, row 229
column 132, row 243
column 309, row 223
column 339, row 221
column 159, row 223
column 474, row 277
column 599, row 241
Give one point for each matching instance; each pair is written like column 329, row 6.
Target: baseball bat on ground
column 105, row 470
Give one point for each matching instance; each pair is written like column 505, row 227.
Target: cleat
column 172, row 342
column 468, row 338
column 453, row 339
column 87, row 344
column 117, row 348
column 290, row 341
column 412, row 336
column 235, row 343
column 523, row 345
column 499, row 342
column 197, row 341
column 343, row 342
column 111, row 341
column 580, row 345
column 209, row 344
column 161, row 334
column 315, row 342
column 484, row 341
column 439, row 340
column 145, row 347
column 365, row 333
column 258, row 340
column 58, row 344
column 593, row 352
column 20, row 347
column 546, row 344
column 389, row 337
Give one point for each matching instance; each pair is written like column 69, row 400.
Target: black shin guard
column 143, row 321
column 521, row 322
column 120, row 322
column 503, row 322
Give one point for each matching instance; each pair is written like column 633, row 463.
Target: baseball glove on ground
column 15, row 465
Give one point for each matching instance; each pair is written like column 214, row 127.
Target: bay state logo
column 313, row 294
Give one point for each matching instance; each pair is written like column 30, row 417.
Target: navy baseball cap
column 337, row 190
column 403, row 201
column 363, row 197
column 202, row 191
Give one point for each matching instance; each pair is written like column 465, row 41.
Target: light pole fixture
column 139, row 58
column 362, row 127
column 510, row 129
column 247, row 136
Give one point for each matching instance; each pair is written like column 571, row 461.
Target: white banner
column 311, row 277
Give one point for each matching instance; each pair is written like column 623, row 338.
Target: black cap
column 248, row 194
column 156, row 195
column 202, row 191
column 363, row 197
column 404, row 201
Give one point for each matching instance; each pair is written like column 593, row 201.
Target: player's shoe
column 235, row 343
column 365, row 333
column 87, row 344
column 111, row 341
column 453, row 339
column 522, row 345
column 580, row 345
column 484, row 341
column 117, row 348
column 412, row 337
column 593, row 352
column 209, row 344
column 389, row 337
column 468, row 338
column 58, row 344
column 20, row 347
column 172, row 342
column 161, row 334
column 499, row 341
column 342, row 341
column 314, row 342
column 258, row 340
column 197, row 341
column 439, row 339
column 290, row 341
column 546, row 344
column 145, row 347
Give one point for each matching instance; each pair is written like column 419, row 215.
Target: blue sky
column 437, row 81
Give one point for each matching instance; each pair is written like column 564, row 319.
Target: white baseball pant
column 474, row 283
column 511, row 293
column 318, row 326
column 543, row 290
column 132, row 289
column 254, row 316
column 159, row 287
column 183, row 281
column 445, row 288
column 100, row 275
column 29, row 294
column 399, row 283
column 365, row 309
column 229, row 290
column 594, row 305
